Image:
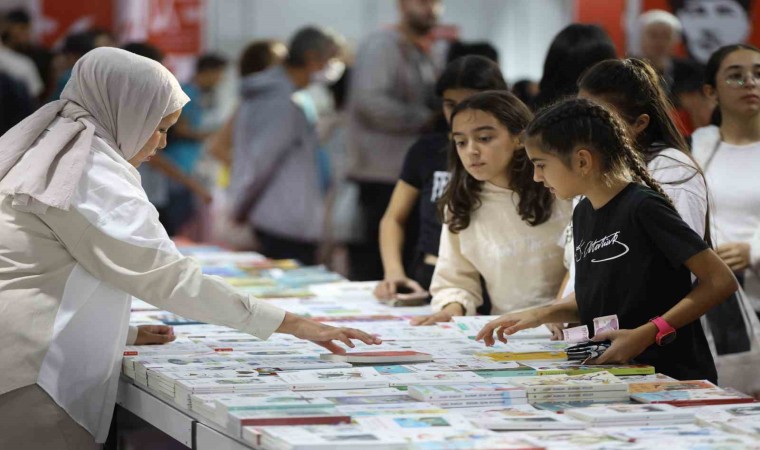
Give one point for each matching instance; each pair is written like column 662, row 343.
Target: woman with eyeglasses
column 729, row 153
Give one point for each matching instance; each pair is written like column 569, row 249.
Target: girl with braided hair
column 633, row 253
column 634, row 91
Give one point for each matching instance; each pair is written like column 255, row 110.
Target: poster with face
column 711, row 24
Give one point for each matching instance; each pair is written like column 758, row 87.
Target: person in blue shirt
column 186, row 143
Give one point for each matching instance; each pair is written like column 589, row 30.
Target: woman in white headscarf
column 78, row 239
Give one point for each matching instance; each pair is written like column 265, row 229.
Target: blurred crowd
column 306, row 164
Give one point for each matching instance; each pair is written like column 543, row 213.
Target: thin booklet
column 315, row 380
column 379, row 357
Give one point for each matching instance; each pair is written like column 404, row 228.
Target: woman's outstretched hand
column 325, row 335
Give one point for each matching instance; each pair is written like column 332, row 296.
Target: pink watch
column 665, row 333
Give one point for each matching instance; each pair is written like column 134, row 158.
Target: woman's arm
column 392, row 241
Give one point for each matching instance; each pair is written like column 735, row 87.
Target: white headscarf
column 114, row 94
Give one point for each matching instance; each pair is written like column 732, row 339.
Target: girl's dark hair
column 471, row 72
column 562, row 128
column 576, row 48
column 462, row 197
column 633, row 87
column 713, row 66
column 466, row 72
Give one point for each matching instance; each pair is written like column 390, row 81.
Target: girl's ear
column 710, row 92
column 583, row 161
column 640, row 124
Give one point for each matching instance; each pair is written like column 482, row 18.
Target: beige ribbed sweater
column 522, row 265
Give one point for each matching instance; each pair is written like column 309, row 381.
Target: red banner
column 57, row 19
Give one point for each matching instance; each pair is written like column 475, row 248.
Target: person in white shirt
column 730, row 156
column 79, row 238
column 498, row 223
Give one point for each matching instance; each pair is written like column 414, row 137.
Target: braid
column 574, row 122
column 627, row 147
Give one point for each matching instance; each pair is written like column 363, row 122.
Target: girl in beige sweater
column 499, row 223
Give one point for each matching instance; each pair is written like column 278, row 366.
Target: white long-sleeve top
column 521, row 264
column 732, row 175
column 67, row 277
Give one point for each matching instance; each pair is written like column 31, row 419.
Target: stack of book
column 258, row 401
column 574, row 368
column 236, row 420
column 469, row 395
column 165, row 381
column 183, row 389
column 632, row 415
column 595, row 387
column 403, row 380
column 315, row 380
column 322, row 438
column 742, row 418
column 686, row 393
column 521, row 418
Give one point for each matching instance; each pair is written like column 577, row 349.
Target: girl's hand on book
column 509, row 324
column 556, row 329
column 444, row 315
column 735, row 255
column 626, row 344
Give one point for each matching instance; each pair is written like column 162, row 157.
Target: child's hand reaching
column 626, row 344
column 509, row 324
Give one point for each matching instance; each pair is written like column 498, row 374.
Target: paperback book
column 270, row 417
column 619, row 415
column 694, row 397
column 596, row 382
column 328, row 438
column 433, row 378
column 570, row 368
column 378, row 357
column 354, row 378
column 522, row 418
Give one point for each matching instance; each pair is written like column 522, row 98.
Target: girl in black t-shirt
column 423, row 179
column 633, row 253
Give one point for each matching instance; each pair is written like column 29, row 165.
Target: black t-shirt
column 629, row 257
column 425, row 168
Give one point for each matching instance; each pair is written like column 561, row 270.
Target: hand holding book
column 626, row 344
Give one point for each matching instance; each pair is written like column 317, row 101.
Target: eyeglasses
column 742, row 79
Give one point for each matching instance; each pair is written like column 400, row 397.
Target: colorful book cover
column 592, row 382
column 522, row 418
column 357, row 377
column 561, row 407
column 694, row 397
column 329, row 438
column 465, row 392
column 238, row 419
column 568, row 368
column 659, row 386
column 432, row 378
column 628, row 413
column 376, row 357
